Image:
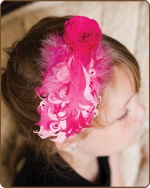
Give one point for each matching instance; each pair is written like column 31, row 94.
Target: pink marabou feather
column 71, row 87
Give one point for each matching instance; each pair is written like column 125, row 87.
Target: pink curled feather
column 70, row 89
column 72, row 82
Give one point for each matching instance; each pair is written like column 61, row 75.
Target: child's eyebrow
column 127, row 102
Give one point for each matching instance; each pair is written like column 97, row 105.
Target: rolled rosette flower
column 82, row 34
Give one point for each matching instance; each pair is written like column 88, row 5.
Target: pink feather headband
column 76, row 67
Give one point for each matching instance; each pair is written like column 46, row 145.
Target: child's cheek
column 135, row 119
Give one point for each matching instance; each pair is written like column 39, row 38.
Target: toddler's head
column 66, row 79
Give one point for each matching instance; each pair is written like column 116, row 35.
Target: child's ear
column 59, row 146
column 62, row 146
column 66, row 145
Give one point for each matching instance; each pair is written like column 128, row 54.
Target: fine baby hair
column 58, row 80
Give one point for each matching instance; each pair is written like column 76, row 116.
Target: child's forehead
column 119, row 93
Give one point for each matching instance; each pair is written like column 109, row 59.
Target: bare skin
column 126, row 114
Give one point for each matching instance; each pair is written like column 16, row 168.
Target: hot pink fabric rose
column 82, row 34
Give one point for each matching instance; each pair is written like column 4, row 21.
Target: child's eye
column 124, row 115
